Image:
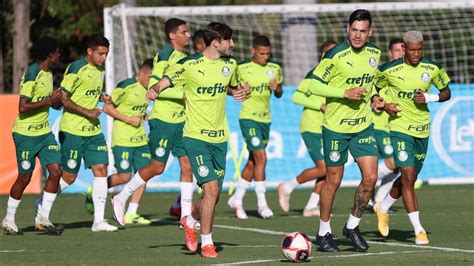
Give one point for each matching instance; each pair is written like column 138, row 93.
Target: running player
column 345, row 77
column 264, row 78
column 32, row 134
column 409, row 81
column 129, row 139
column 310, row 128
column 80, row 132
column 205, row 77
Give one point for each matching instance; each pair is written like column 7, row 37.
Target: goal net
column 296, row 32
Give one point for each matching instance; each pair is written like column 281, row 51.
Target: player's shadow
column 342, row 243
column 407, row 236
column 219, row 247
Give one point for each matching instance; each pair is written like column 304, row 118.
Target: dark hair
column 96, row 40
column 325, row 45
column 216, row 31
column 360, row 14
column 44, row 47
column 261, row 40
column 172, row 25
column 393, row 42
column 147, row 63
column 198, row 35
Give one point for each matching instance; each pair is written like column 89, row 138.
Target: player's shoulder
column 429, row 61
column 310, row 74
column 273, row 64
column 373, row 48
column 339, row 48
column 165, row 53
column 229, row 59
column 76, row 66
column 245, row 62
column 191, row 58
column 125, row 83
column 32, row 72
column 391, row 64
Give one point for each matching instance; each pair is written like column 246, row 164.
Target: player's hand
column 273, row 85
column 94, row 113
column 151, row 95
column 378, row 104
column 105, row 98
column 134, row 120
column 56, row 97
column 239, row 94
column 392, row 109
column 354, row 93
column 323, row 107
column 57, row 106
column 246, row 87
column 419, row 96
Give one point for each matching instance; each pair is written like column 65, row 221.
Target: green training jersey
column 341, row 68
column 129, row 99
column 83, row 82
column 257, row 105
column 165, row 109
column 402, row 81
column 312, row 116
column 205, row 84
column 380, row 119
column 36, row 85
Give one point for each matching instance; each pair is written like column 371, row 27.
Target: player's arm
column 109, row 108
column 303, row 97
column 276, row 84
column 239, row 91
column 26, row 105
column 441, row 81
column 71, row 106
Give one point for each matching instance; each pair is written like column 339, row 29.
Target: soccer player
column 205, row 77
column 409, row 93
column 32, row 133
column 387, row 172
column 80, row 132
column 198, row 41
column 344, row 76
column 129, row 139
column 310, row 128
column 264, row 78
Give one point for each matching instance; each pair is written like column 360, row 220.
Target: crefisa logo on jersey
column 270, row 74
column 425, row 77
column 225, row 71
column 372, row 62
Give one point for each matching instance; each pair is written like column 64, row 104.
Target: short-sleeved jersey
column 257, row 105
column 36, row 85
column 168, row 110
column 402, row 81
column 129, row 99
column 345, row 68
column 205, row 84
column 311, row 119
column 380, row 119
column 83, row 82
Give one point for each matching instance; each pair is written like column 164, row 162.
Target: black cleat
column 54, row 230
column 327, row 243
column 356, row 237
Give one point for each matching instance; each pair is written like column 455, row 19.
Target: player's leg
column 387, row 172
column 313, row 142
column 312, row 206
column 236, row 201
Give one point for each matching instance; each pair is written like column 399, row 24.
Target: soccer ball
column 296, row 247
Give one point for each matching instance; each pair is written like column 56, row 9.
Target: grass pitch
column 447, row 213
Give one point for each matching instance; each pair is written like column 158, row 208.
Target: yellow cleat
column 136, row 219
column 382, row 221
column 422, row 238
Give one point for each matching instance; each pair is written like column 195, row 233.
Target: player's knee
column 408, row 180
column 56, row 174
column 260, row 157
column 24, row 179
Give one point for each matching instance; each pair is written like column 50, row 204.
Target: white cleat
column 44, row 224
column 118, row 210
column 10, row 228
column 103, row 227
column 265, row 212
column 283, row 198
column 238, row 208
column 311, row 212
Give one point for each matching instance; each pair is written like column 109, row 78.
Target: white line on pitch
column 11, row 251
column 271, row 232
column 326, row 257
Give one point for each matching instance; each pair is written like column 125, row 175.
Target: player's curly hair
column 44, row 47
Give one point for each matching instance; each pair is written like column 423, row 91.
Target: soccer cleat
column 209, row 251
column 103, row 226
column 135, row 218
column 265, row 212
column 175, row 212
column 238, row 208
column 382, row 221
column 89, row 202
column 38, row 202
column 190, row 235
column 118, row 208
column 10, row 228
column 311, row 212
column 356, row 237
column 44, row 224
column 422, row 238
column 283, row 198
column 326, row 243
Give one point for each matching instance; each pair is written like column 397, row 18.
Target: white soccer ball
column 296, row 247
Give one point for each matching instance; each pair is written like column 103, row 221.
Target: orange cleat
column 209, row 251
column 190, row 235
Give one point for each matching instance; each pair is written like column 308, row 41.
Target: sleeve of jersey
column 26, row 89
column 176, row 94
column 176, row 74
column 235, row 79
column 321, row 76
column 380, row 80
column 280, row 76
column 118, row 95
column 157, row 72
column 442, row 80
column 69, row 83
column 303, row 97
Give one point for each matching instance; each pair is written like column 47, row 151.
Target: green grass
column 447, row 212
